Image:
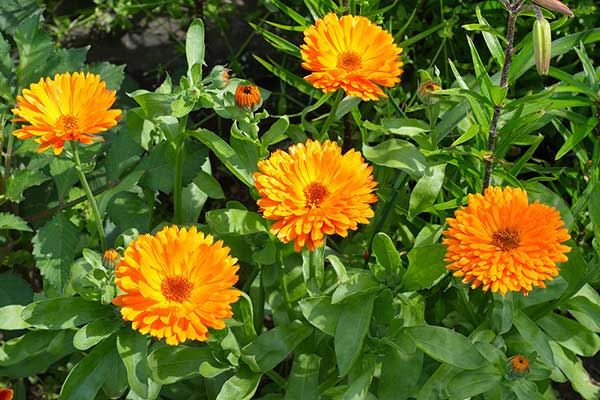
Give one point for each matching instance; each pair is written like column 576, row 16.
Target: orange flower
column 6, row 394
column 68, row 107
column 503, row 243
column 314, row 190
column 352, row 53
column 111, row 258
column 247, row 97
column 177, row 284
column 517, row 367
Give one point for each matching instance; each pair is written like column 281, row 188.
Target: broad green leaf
column 399, row 375
column 13, row 222
column 95, row 332
column 303, row 382
column 273, row 346
column 242, row 222
column 534, row 335
column 276, row 132
column 468, row 384
column 64, row 312
column 194, row 48
column 358, row 285
column 13, row 12
column 352, row 327
column 170, row 364
column 573, row 368
column 209, row 185
column 21, row 180
column 525, row 390
column 24, row 347
column 10, row 318
column 278, row 42
column 405, row 126
column 133, row 349
column 111, row 74
column 86, row 378
column 122, row 154
column 6, row 69
column 425, row 266
column 396, row 153
column 193, row 200
column 358, row 388
column 115, row 384
column 128, row 210
column 502, row 313
column 570, row 334
column 347, row 104
column 125, row 184
column 580, row 132
column 14, row 290
column 54, row 247
column 385, row 251
column 240, row 386
column 35, row 50
column 154, row 104
column 446, row 346
column 321, row 313
column 64, row 175
column 426, row 190
column 586, row 310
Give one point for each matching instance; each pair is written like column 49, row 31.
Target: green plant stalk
column 325, row 128
column 178, row 182
column 89, row 194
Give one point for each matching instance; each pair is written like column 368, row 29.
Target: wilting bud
column 554, row 5
column 111, row 258
column 517, row 367
column 542, row 45
column 219, row 76
column 426, row 92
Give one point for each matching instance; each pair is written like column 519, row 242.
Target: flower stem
column 89, row 194
column 324, row 130
column 178, row 182
column 513, row 10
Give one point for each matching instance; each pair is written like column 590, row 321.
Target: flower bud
column 542, row 45
column 517, row 367
column 554, row 5
column 219, row 76
column 6, row 394
column 111, row 258
column 426, row 92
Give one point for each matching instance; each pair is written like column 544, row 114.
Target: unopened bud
column 542, row 45
column 517, row 367
column 554, row 5
column 219, row 76
column 111, row 258
column 426, row 92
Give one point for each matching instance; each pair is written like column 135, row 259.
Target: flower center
column 520, row 363
column 176, row 288
column 68, row 123
column 315, row 193
column 506, row 239
column 349, row 61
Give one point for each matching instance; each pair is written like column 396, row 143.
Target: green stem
column 178, row 182
column 89, row 194
column 324, row 130
column 276, row 378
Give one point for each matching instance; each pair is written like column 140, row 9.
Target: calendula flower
column 502, row 242
column 6, row 394
column 111, row 258
column 247, row 97
column 517, row 367
column 351, row 53
column 69, row 107
column 177, row 284
column 314, row 190
column 219, row 76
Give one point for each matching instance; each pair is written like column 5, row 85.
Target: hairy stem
column 324, row 130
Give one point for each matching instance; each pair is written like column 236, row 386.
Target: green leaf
column 10, row 318
column 405, row 126
column 276, row 132
column 193, row 199
column 446, row 346
column 21, row 180
column 399, row 154
column 573, row 368
column 95, row 332
column 133, row 349
column 128, row 210
column 209, row 185
column 14, row 290
column 580, row 132
column 273, row 346
column 288, row 77
column 242, row 222
column 502, row 313
column 64, row 175
column 64, row 312
column 240, row 386
column 13, row 12
column 321, row 313
column 358, row 387
column 352, row 327
column 171, row 364
column 24, row 347
column 35, row 49
column 277, row 41
column 531, row 333
column 347, row 104
column 570, row 334
column 122, row 154
column 426, row 190
column 468, row 384
column 385, row 251
column 54, row 247
column 112, row 74
column 154, row 104
column 399, row 375
column 194, row 48
column 358, row 285
column 303, row 382
column 525, row 390
column 425, row 266
column 125, row 184
column 13, row 222
column 86, row 378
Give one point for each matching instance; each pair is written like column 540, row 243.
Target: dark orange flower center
column 176, row 288
column 315, row 193
column 519, row 363
column 67, row 123
column 349, row 61
column 506, row 239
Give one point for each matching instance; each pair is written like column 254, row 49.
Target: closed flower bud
column 517, row 367
column 6, row 394
column 111, row 258
column 542, row 45
column 426, row 92
column 554, row 5
column 219, row 76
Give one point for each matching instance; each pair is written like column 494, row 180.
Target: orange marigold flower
column 177, row 284
column 503, row 243
column 68, row 107
column 517, row 367
column 313, row 190
column 111, row 258
column 247, row 97
column 6, row 394
column 352, row 53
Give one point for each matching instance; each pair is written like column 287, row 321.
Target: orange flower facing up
column 313, row 190
column 177, row 284
column 6, row 394
column 352, row 53
column 517, row 367
column 68, row 107
column 247, row 97
column 503, row 243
